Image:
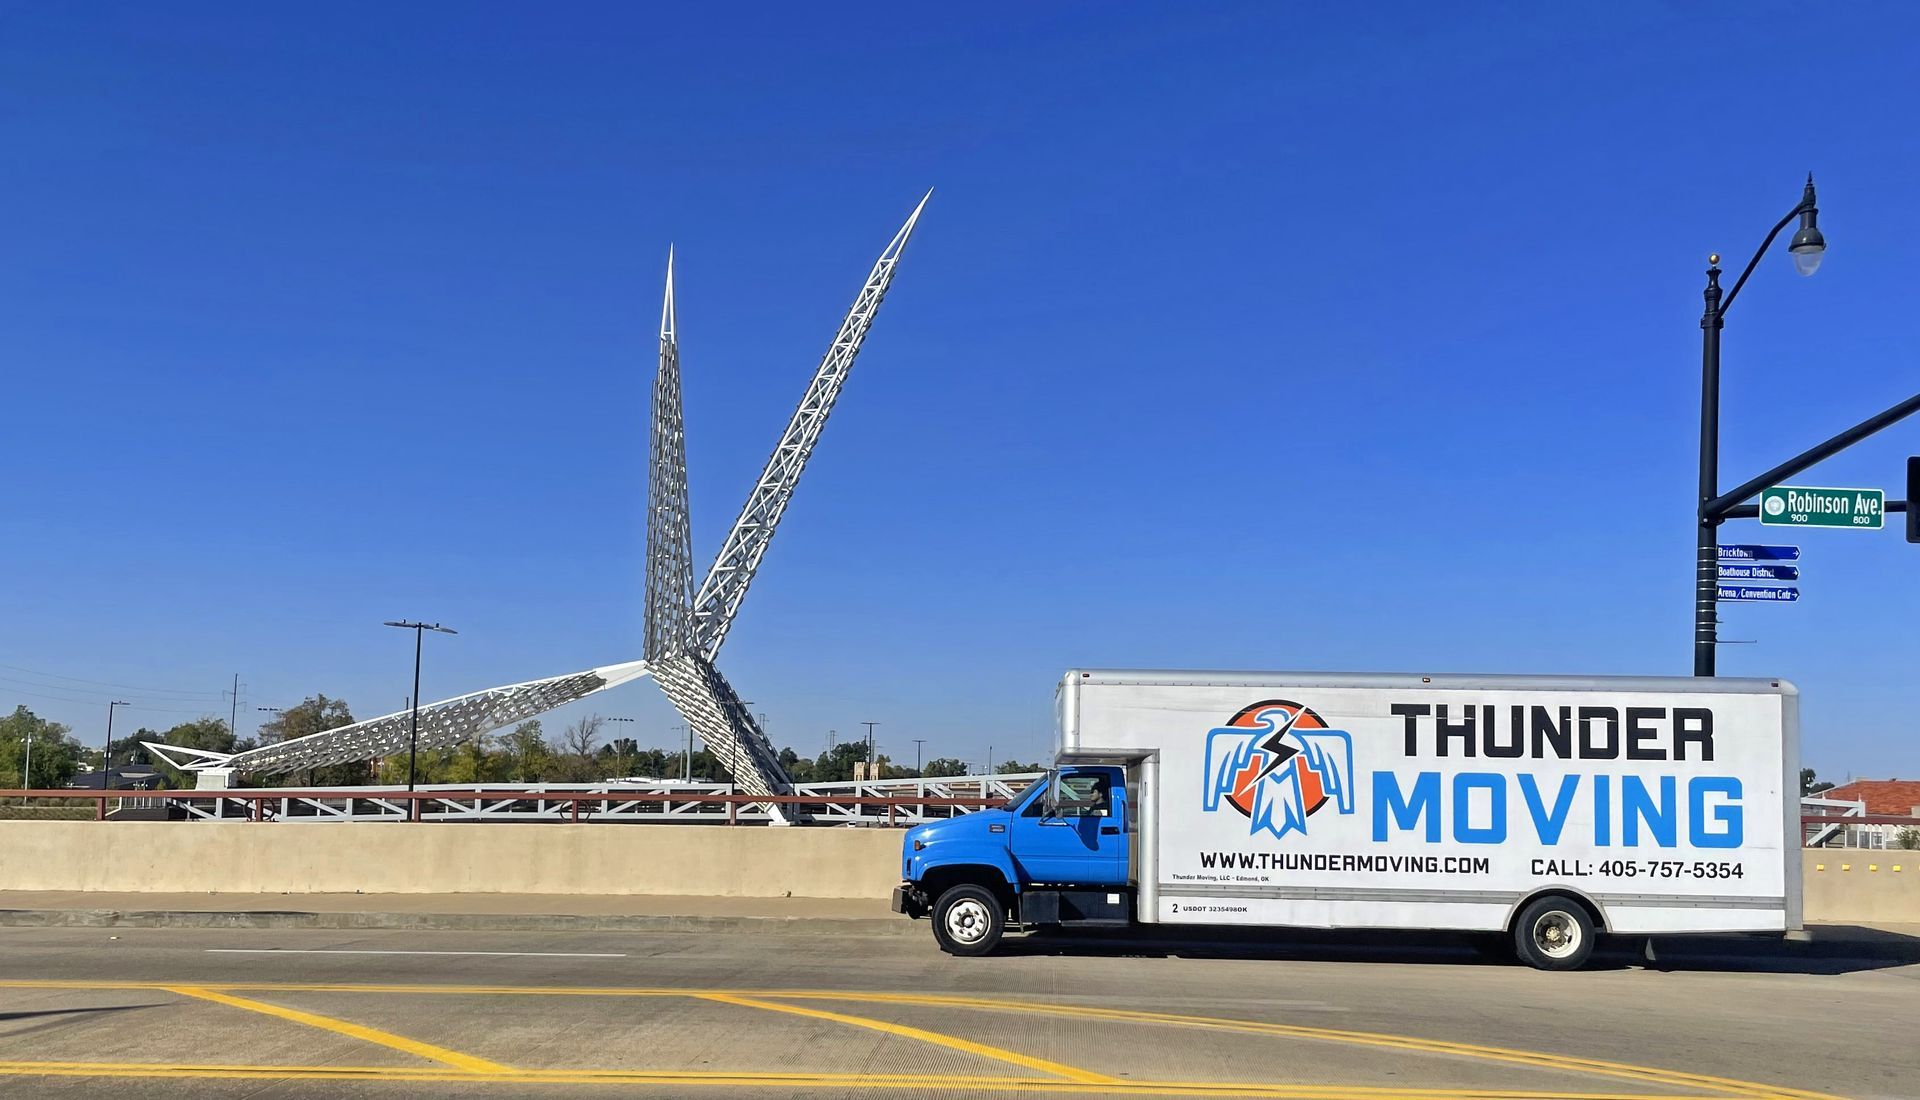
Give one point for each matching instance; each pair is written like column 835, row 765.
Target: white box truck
column 1549, row 810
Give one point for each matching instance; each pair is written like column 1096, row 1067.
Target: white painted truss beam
column 726, row 583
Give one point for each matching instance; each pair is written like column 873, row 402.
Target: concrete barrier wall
column 708, row 860
column 383, row 858
column 1853, row 885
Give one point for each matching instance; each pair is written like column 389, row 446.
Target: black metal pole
column 1711, row 509
column 1706, row 584
column 413, row 735
column 106, row 753
column 1722, row 506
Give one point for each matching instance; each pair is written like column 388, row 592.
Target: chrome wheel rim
column 968, row 921
column 1557, row 935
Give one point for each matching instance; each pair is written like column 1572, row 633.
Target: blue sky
column 1257, row 336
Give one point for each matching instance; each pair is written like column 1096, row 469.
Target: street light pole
column 1807, row 247
column 106, row 751
column 872, row 762
column 413, row 733
column 917, row 742
column 620, row 760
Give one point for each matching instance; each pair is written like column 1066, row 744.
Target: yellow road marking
column 341, row 1027
column 951, row 1042
column 795, row 1080
column 1566, row 1063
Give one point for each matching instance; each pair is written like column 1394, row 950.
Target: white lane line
column 347, row 951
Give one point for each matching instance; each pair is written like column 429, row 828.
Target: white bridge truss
column 835, row 803
column 684, row 626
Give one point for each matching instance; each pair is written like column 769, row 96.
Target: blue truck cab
column 1059, row 852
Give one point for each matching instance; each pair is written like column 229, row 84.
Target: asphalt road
column 274, row 1013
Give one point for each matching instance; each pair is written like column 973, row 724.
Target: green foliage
column 1009, row 767
column 527, row 757
column 1811, row 784
column 836, row 764
column 56, row 755
column 1908, row 838
column 943, row 767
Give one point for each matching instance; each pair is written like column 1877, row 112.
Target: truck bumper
column 908, row 899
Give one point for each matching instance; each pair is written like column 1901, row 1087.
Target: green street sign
column 1802, row 506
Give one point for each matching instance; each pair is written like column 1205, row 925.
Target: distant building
column 1876, row 797
column 1898, row 797
column 132, row 777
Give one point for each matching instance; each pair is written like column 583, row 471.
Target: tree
column 316, row 714
column 1009, row 767
column 619, row 756
column 576, row 764
column 1907, row 838
column 799, row 768
column 529, row 760
column 943, row 767
column 1811, row 784
column 56, row 756
column 836, row 764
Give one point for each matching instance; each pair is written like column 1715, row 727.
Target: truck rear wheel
column 1554, row 933
column 968, row 920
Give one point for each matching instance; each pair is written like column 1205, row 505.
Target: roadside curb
column 450, row 922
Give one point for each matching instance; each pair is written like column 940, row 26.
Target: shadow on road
column 1834, row 949
column 6, row 1016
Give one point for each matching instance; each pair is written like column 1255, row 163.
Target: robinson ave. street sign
column 1805, row 506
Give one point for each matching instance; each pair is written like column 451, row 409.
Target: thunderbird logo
column 1277, row 763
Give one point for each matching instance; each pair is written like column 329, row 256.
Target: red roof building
column 1897, row 797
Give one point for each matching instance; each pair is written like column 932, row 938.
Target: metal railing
column 892, row 803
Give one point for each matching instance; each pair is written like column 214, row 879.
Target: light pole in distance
column 620, row 759
column 917, row 743
column 413, row 734
column 106, row 751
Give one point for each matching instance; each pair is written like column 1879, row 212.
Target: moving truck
column 1546, row 810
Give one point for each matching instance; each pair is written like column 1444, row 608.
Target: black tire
column 1554, row 933
column 969, row 920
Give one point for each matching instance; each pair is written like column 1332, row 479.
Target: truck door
column 1077, row 833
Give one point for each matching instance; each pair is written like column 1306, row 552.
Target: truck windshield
column 1021, row 794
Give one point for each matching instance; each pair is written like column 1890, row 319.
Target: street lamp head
column 1808, row 245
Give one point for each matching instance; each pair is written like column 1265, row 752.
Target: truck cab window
column 1074, row 796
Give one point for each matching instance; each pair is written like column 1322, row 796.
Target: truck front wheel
column 968, row 920
column 1554, row 933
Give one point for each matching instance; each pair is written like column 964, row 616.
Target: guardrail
column 469, row 804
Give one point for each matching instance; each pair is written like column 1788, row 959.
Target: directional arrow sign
column 1759, row 572
column 1758, row 593
column 1801, row 506
column 1745, row 552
